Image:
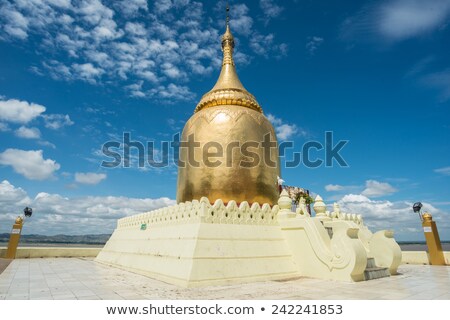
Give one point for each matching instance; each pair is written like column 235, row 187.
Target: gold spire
column 228, row 89
column 228, row 42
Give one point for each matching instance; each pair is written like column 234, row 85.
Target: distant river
column 404, row 246
column 71, row 245
column 421, row 246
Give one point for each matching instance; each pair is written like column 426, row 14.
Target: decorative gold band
column 222, row 97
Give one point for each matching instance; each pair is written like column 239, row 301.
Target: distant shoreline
column 405, row 246
column 60, row 240
column 57, row 244
column 421, row 246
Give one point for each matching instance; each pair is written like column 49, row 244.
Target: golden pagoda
column 230, row 224
column 229, row 125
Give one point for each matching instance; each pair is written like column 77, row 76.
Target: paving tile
column 445, row 296
column 110, row 296
column 4, row 287
column 87, row 280
column 133, row 297
column 64, row 297
column 83, row 293
column 89, row 298
column 16, row 296
column 60, row 292
column 41, row 296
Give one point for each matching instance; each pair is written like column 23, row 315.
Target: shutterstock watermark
column 311, row 154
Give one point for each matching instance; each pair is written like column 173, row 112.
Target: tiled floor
column 85, row 279
column 3, row 264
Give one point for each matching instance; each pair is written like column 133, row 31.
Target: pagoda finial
column 228, row 14
column 228, row 42
column 228, row 90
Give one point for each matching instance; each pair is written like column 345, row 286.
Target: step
column 371, row 263
column 376, row 273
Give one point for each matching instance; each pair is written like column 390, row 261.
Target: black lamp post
column 417, row 207
column 27, row 212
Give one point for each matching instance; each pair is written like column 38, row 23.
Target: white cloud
column 28, row 133
column 4, row 127
column 135, row 29
column 264, row 45
column 445, row 171
column 87, row 71
column 57, row 121
column 57, row 70
column 283, row 130
column 241, row 22
column 437, row 80
column 30, row 164
column 420, row 66
column 397, row 20
column 15, row 24
column 402, row 19
column 313, row 44
column 101, row 46
column 397, row 216
column 270, row 9
column 376, row 212
column 440, row 81
column 17, row 111
column 286, row 131
column 93, row 11
column 371, row 188
column 377, row 189
column 131, row 8
column 334, row 187
column 172, row 92
column 55, row 214
column 136, row 89
column 172, row 71
column 120, row 43
column 163, row 5
column 10, row 195
column 60, row 3
column 89, row 177
column 46, row 144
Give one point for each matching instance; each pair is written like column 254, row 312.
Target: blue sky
column 76, row 74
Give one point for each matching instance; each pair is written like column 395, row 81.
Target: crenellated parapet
column 321, row 211
column 203, row 211
column 353, row 217
column 180, row 213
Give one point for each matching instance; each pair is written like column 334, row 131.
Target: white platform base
column 198, row 244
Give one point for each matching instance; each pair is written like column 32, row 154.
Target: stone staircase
column 374, row 272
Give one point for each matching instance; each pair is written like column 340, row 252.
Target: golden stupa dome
column 228, row 148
